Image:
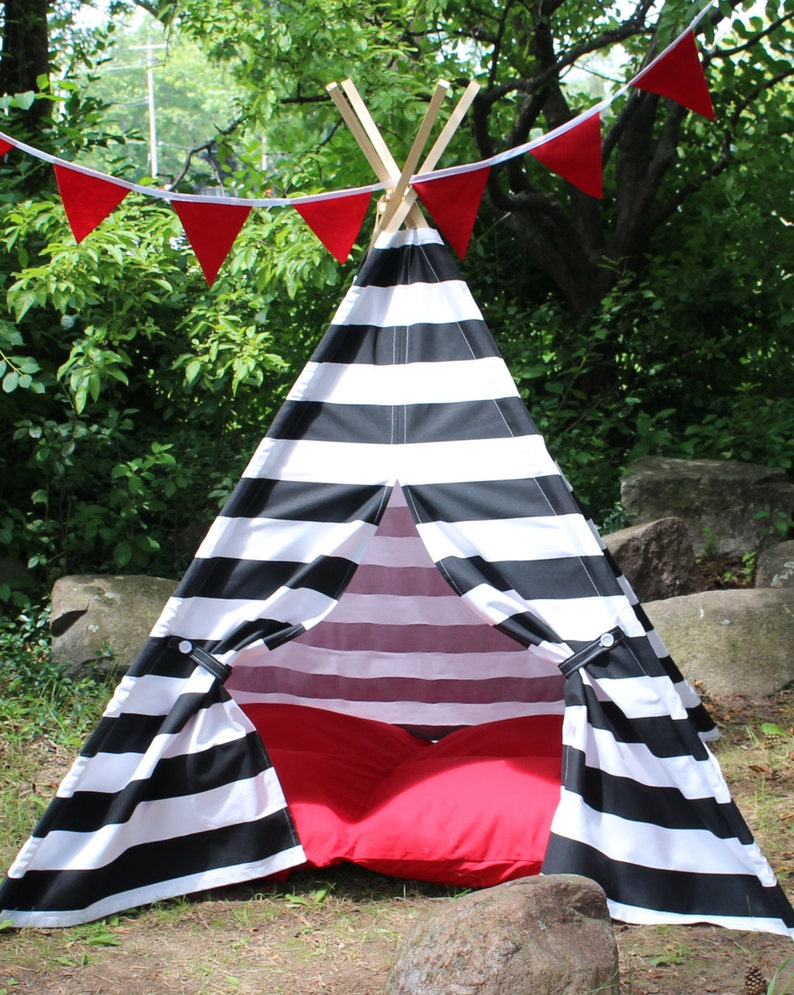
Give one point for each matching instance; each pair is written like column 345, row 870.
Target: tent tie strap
column 605, row 642
column 204, row 659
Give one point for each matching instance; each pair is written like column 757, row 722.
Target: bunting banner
column 678, row 74
column 575, row 154
column 336, row 221
column 87, row 200
column 211, row 229
column 451, row 196
column 453, row 201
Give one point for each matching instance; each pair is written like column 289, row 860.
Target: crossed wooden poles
column 398, row 205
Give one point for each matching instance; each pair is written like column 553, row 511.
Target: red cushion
column 473, row 809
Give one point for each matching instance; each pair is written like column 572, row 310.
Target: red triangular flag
column 87, row 199
column 211, row 229
column 678, row 74
column 575, row 154
column 336, row 221
column 454, row 202
column 5, row 146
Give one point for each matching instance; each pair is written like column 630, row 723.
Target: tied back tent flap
column 401, row 563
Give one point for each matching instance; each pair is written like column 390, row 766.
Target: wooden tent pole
column 415, row 152
column 398, row 205
column 435, row 153
column 388, row 170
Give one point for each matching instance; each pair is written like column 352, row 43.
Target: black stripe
column 256, row 580
column 679, row 892
column 295, row 501
column 489, row 500
column 150, row 864
column 385, row 424
column 273, row 631
column 660, row 806
column 501, row 418
column 483, row 691
column 561, row 578
column 173, row 777
column 387, row 345
column 161, row 659
column 403, row 264
column 636, row 657
column 131, row 732
column 527, row 629
column 664, row 736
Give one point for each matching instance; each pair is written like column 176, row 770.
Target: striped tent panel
column 174, row 773
column 646, row 812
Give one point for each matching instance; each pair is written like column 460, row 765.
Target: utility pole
column 149, row 48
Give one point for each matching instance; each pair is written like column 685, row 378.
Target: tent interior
column 410, row 736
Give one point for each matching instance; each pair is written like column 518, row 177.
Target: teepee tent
column 401, row 644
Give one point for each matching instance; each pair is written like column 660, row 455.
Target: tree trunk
column 26, row 54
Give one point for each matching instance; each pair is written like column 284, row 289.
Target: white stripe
column 408, row 236
column 585, row 619
column 166, row 819
column 417, row 463
column 112, row 772
column 395, row 609
column 650, row 917
column 397, row 551
column 438, row 713
column 405, row 383
column 302, row 658
column 635, row 762
column 147, row 695
column 640, row 697
column 693, row 851
column 408, row 303
column 541, row 538
column 277, row 539
column 580, row 619
column 160, row 891
column 214, row 618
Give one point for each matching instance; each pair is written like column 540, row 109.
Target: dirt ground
column 337, row 931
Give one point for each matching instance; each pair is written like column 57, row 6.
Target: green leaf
column 122, row 554
column 104, row 940
column 25, row 100
column 10, row 382
column 772, row 729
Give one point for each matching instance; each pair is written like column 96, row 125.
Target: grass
column 46, row 716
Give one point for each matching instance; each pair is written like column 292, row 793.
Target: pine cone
column 754, row 982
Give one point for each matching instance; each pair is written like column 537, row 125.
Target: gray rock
column 536, row 936
column 728, row 507
column 775, row 566
column 735, row 642
column 106, row 619
column 656, row 558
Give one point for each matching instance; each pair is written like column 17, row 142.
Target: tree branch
column 207, row 147
column 726, row 157
column 726, row 53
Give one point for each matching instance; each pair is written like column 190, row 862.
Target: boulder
column 729, row 508
column 104, row 621
column 775, row 566
column 537, row 936
column 656, row 558
column 735, row 642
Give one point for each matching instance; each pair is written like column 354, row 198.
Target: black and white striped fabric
column 401, row 547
